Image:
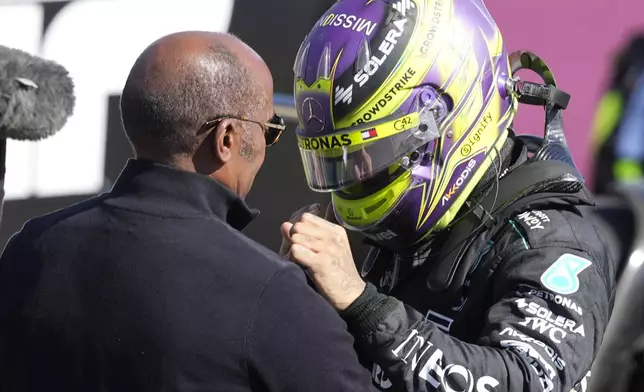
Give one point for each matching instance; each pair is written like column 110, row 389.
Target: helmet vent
column 363, row 55
column 300, row 59
column 391, row 14
column 324, row 66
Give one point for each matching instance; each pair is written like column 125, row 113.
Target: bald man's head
column 183, row 80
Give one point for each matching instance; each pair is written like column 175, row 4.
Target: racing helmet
column 402, row 107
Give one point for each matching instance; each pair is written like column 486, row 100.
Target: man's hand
column 322, row 248
column 285, row 247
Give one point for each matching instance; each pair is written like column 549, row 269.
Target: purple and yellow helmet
column 402, row 106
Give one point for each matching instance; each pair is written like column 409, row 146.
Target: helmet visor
column 353, row 155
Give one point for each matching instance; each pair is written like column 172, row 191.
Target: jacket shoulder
column 566, row 229
column 557, row 227
column 37, row 226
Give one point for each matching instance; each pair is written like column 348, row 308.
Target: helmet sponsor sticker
column 361, row 135
column 475, row 137
column 325, row 142
column 387, row 45
column 387, row 97
column 460, row 180
column 349, row 22
column 439, row 18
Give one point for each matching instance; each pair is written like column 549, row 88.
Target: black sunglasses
column 272, row 130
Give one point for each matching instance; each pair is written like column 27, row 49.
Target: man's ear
column 224, row 140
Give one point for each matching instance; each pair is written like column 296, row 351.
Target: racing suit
column 529, row 314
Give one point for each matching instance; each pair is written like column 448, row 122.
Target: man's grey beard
column 247, row 145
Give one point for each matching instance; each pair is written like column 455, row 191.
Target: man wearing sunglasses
column 152, row 286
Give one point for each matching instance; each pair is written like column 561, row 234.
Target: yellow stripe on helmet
column 491, row 111
column 451, row 213
column 335, row 144
column 322, row 85
column 368, row 210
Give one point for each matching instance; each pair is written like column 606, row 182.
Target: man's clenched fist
column 315, row 209
column 322, row 248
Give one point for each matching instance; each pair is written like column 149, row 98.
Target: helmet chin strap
column 553, row 145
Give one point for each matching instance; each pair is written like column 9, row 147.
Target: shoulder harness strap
column 530, row 184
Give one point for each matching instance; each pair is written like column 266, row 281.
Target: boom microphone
column 36, row 98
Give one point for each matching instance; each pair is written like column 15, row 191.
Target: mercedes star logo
column 313, row 115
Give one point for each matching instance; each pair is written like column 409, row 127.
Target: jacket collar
column 161, row 190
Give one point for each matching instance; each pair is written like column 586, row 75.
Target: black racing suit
column 529, row 316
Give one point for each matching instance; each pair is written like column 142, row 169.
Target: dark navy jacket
column 152, row 287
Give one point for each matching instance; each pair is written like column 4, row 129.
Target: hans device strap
column 529, row 186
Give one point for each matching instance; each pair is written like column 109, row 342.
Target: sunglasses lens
column 272, row 135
